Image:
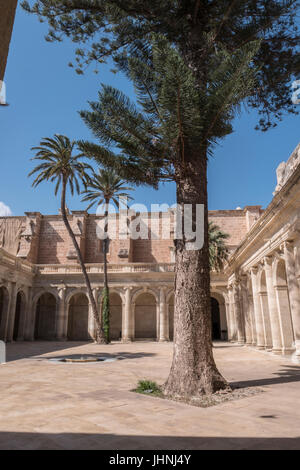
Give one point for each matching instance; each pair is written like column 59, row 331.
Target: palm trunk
column 193, row 372
column 7, row 17
column 100, row 338
column 105, row 300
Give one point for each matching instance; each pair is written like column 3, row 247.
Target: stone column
column 263, row 298
column 11, row 311
column 232, row 323
column 273, row 310
column 163, row 320
column 294, row 292
column 252, row 318
column 227, row 313
column 247, row 312
column 238, row 314
column 61, row 332
column 127, row 316
column 257, row 311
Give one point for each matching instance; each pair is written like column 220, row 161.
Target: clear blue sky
column 45, row 96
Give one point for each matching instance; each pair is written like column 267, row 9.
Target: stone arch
column 74, row 291
column 147, row 290
column 40, row 292
column 78, row 317
column 19, row 318
column 219, row 320
column 251, row 317
column 283, row 305
column 116, row 304
column 145, row 314
column 45, row 317
column 4, row 302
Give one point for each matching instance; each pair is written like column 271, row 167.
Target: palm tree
column 57, row 164
column 218, row 252
column 102, row 188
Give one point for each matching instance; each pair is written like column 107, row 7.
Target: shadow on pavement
column 287, row 375
column 69, row 441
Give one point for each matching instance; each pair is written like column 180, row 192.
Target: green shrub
column 148, row 387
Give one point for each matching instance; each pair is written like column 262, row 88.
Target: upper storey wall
column 44, row 239
column 236, row 223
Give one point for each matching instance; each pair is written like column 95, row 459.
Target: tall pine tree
column 200, row 30
column 168, row 137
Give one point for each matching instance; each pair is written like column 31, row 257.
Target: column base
column 288, row 351
column 296, row 357
column 163, row 340
column 127, row 340
column 277, row 351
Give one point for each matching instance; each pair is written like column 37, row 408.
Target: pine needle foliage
column 147, row 142
column 198, row 28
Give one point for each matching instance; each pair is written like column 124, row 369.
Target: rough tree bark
column 105, row 299
column 100, row 337
column 105, row 244
column 193, row 372
column 7, row 17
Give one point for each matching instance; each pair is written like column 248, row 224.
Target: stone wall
column 43, row 239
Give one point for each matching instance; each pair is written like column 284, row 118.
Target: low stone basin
column 84, row 359
column 88, row 359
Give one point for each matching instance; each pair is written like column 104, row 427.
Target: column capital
column 288, row 245
column 268, row 260
column 253, row 270
column 62, row 288
column 163, row 289
column 128, row 288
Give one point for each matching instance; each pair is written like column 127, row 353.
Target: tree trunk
column 105, row 300
column 105, row 244
column 7, row 17
column 100, row 337
column 193, row 372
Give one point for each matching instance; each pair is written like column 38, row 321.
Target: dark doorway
column 45, row 321
column 115, row 320
column 78, row 321
column 215, row 318
column 3, row 306
column 145, row 317
column 17, row 316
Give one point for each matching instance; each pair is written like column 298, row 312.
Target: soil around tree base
column 206, row 401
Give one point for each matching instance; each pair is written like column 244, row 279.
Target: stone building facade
column 255, row 300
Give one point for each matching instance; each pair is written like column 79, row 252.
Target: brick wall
column 52, row 244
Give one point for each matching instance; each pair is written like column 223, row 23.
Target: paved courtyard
column 45, row 405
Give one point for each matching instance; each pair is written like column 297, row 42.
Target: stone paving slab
column 47, row 405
